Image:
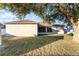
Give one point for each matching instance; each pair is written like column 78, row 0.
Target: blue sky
column 6, row 16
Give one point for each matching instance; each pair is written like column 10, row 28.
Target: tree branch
column 61, row 9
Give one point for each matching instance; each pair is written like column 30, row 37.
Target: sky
column 7, row 16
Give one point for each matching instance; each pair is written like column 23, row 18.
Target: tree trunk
column 76, row 32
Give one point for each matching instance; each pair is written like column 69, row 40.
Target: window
column 49, row 29
column 41, row 29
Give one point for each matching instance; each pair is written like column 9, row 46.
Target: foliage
column 19, row 9
column 22, row 9
column 70, row 11
column 67, row 12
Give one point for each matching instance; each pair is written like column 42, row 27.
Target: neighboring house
column 68, row 30
column 31, row 28
column 2, row 29
column 58, row 28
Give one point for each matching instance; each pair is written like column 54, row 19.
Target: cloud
column 33, row 17
column 8, row 15
column 4, row 14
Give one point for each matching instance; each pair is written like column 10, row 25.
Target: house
column 31, row 28
column 22, row 28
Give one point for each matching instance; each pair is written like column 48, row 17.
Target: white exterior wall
column 61, row 32
column 22, row 29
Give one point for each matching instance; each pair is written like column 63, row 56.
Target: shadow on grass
column 21, row 46
column 5, row 39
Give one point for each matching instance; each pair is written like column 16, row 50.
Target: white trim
column 45, row 33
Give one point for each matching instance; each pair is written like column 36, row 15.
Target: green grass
column 41, row 45
column 66, row 37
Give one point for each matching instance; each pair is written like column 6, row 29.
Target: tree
column 68, row 12
column 71, row 12
column 19, row 9
column 22, row 9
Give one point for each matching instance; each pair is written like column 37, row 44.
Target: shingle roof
column 32, row 22
column 45, row 24
column 50, row 25
column 22, row 22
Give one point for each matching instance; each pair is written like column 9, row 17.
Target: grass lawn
column 42, row 45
